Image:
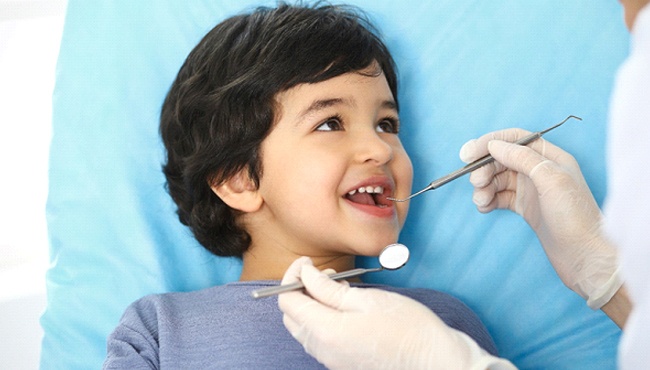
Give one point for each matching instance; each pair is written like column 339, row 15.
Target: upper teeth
column 368, row 189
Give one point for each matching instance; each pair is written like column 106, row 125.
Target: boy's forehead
column 305, row 99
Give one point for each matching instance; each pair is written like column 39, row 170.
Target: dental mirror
column 392, row 257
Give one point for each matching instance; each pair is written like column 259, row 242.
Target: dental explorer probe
column 479, row 162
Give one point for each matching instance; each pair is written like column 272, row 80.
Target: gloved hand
column 544, row 184
column 363, row 328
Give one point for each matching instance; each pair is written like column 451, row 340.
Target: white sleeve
column 627, row 207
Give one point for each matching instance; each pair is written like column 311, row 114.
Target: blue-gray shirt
column 223, row 327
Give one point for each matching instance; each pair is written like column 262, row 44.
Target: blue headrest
column 466, row 68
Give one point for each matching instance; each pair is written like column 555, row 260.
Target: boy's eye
column 331, row 124
column 388, row 125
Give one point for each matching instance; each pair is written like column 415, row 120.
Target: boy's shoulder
column 209, row 328
column 227, row 294
column 222, row 306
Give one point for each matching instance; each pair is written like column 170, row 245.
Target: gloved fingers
column 330, row 272
column 499, row 193
column 498, row 181
column 523, row 158
column 293, row 327
column 324, row 289
column 482, row 176
column 547, row 174
column 517, row 157
column 309, row 318
column 340, row 296
column 554, row 153
column 477, row 148
column 292, row 274
column 501, row 200
column 300, row 310
column 296, row 304
column 316, row 282
column 306, row 322
column 470, row 151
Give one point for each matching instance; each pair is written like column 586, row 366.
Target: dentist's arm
column 544, row 184
column 344, row 327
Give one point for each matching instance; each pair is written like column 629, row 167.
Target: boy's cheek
column 401, row 213
column 405, row 170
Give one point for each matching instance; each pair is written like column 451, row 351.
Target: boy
column 281, row 136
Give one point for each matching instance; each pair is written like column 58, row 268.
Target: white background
column 30, row 33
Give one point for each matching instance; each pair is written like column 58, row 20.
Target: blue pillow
column 466, row 68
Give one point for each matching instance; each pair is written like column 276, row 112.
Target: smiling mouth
column 369, row 195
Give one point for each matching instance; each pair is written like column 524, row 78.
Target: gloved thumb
column 322, row 288
column 292, row 274
column 299, row 308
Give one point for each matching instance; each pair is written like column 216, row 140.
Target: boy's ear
column 239, row 192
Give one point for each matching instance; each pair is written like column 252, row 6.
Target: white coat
column 627, row 206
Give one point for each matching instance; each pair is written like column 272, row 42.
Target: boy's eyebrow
column 326, row 103
column 389, row 104
column 321, row 104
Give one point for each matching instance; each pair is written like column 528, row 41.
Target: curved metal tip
column 399, row 200
column 410, row 196
column 559, row 124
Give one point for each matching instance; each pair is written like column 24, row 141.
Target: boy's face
column 334, row 142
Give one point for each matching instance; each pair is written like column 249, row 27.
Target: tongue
column 363, row 198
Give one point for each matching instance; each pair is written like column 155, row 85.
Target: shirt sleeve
column 134, row 343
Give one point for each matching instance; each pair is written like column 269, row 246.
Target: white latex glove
column 544, row 184
column 363, row 328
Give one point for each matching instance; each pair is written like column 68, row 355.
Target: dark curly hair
column 221, row 105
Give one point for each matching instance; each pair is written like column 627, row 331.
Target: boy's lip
column 384, row 207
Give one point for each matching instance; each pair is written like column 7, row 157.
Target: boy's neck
column 258, row 265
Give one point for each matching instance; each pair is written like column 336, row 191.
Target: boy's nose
column 373, row 148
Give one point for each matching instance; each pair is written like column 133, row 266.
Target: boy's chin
column 375, row 249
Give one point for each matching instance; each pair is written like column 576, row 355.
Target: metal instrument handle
column 267, row 292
